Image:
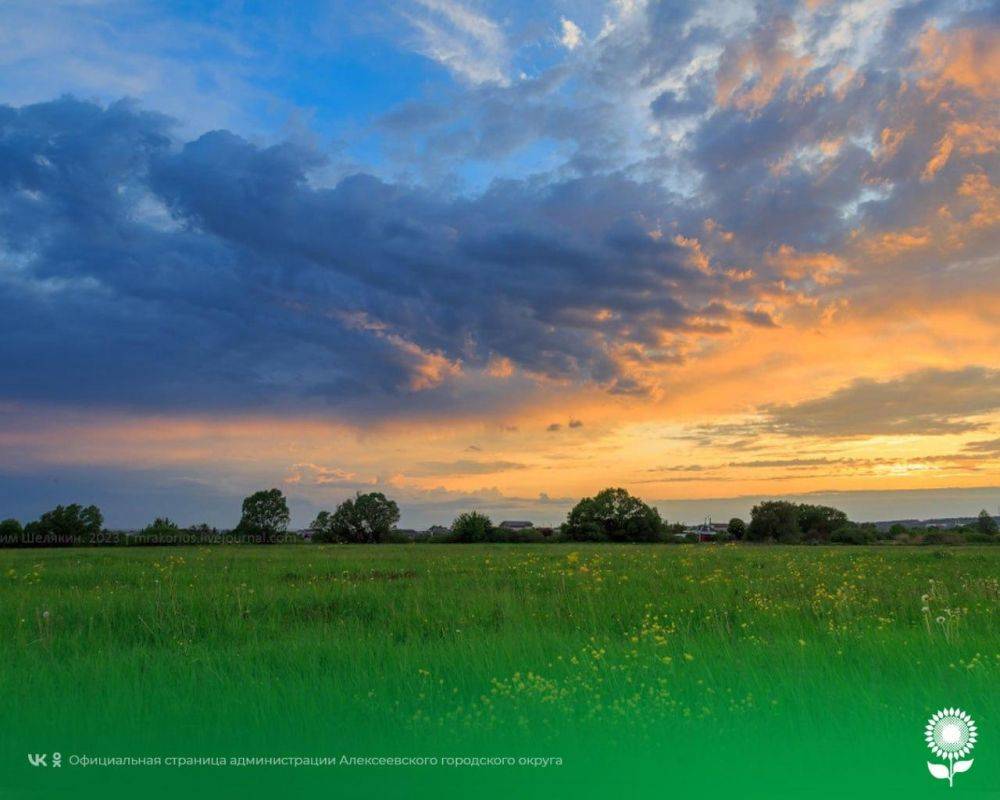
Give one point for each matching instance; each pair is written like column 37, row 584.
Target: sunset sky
column 499, row 255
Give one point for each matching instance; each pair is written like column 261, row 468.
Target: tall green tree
column 265, row 515
column 776, row 520
column 11, row 533
column 737, row 528
column 66, row 526
column 615, row 515
column 986, row 524
column 363, row 519
column 820, row 522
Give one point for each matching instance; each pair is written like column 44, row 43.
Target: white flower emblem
column 950, row 734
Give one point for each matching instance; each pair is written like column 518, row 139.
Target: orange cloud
column 751, row 73
column 823, row 268
column 967, row 59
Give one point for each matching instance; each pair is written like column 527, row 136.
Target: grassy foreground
column 717, row 669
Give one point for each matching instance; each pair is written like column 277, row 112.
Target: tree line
column 612, row 515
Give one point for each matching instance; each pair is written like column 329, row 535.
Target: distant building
column 704, row 533
column 516, row 524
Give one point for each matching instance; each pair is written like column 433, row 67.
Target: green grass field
column 763, row 669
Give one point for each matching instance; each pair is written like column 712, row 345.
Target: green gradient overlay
column 650, row 671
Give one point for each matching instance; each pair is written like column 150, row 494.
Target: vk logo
column 38, row 759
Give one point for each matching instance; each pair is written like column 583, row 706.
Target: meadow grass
column 583, row 649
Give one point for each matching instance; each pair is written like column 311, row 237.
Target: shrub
column 943, row 537
column 520, row 536
column 853, row 533
column 977, row 537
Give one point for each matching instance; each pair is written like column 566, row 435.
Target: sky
column 499, row 255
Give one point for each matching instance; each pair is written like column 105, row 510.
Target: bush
column 977, row 537
column 520, row 536
column 943, row 537
column 853, row 533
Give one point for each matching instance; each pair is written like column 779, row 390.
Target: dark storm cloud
column 142, row 273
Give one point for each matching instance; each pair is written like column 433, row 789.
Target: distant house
column 704, row 533
column 516, row 524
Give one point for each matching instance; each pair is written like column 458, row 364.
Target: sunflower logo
column 950, row 734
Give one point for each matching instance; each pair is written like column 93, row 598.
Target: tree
column 160, row 526
column 737, row 528
column 820, row 522
column 265, row 515
column 160, row 531
column 616, row 515
column 774, row 519
column 365, row 518
column 11, row 533
column 986, row 524
column 472, row 527
column 65, row 526
column 322, row 527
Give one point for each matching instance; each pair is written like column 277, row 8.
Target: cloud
column 215, row 263
column 988, row 447
column 468, row 43
column 462, row 467
column 571, row 36
column 926, row 402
